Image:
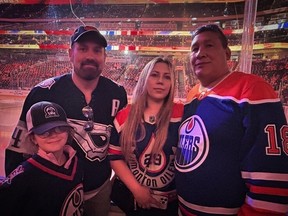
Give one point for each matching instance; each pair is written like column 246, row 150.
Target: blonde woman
column 144, row 139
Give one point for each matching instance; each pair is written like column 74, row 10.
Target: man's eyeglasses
column 57, row 130
column 88, row 113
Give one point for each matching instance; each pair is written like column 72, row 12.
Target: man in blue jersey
column 91, row 102
column 232, row 155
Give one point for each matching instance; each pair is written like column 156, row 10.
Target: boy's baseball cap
column 83, row 30
column 44, row 116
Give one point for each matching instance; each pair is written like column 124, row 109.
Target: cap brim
column 98, row 37
column 48, row 126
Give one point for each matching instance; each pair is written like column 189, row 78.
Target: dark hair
column 212, row 28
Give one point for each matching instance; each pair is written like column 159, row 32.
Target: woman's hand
column 143, row 197
column 141, row 193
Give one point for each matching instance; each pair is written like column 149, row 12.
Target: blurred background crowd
column 34, row 38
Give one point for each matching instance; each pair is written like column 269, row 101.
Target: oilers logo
column 73, row 205
column 153, row 171
column 193, row 145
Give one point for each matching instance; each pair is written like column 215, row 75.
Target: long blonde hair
column 134, row 121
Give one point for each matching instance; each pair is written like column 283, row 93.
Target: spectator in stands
column 232, row 152
column 144, row 141
column 49, row 182
column 91, row 102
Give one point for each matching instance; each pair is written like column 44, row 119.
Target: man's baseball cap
column 84, row 30
column 44, row 116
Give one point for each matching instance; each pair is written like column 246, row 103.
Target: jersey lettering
column 14, row 173
column 156, row 159
column 189, row 142
column 147, row 178
column 273, row 146
column 284, row 137
column 193, row 145
column 16, row 137
column 115, row 107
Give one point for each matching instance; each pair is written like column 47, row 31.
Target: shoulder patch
column 14, row 173
column 48, row 83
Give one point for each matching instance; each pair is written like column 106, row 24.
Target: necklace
column 152, row 119
column 203, row 92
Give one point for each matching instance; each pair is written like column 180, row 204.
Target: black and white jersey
column 107, row 99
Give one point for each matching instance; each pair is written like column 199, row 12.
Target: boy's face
column 53, row 140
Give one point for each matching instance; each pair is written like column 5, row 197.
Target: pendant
column 152, row 119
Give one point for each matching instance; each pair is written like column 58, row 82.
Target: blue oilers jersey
column 92, row 147
column 160, row 174
column 232, row 154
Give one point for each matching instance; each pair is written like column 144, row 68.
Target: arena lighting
column 226, row 11
column 283, row 25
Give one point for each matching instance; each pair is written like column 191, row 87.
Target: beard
column 89, row 70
